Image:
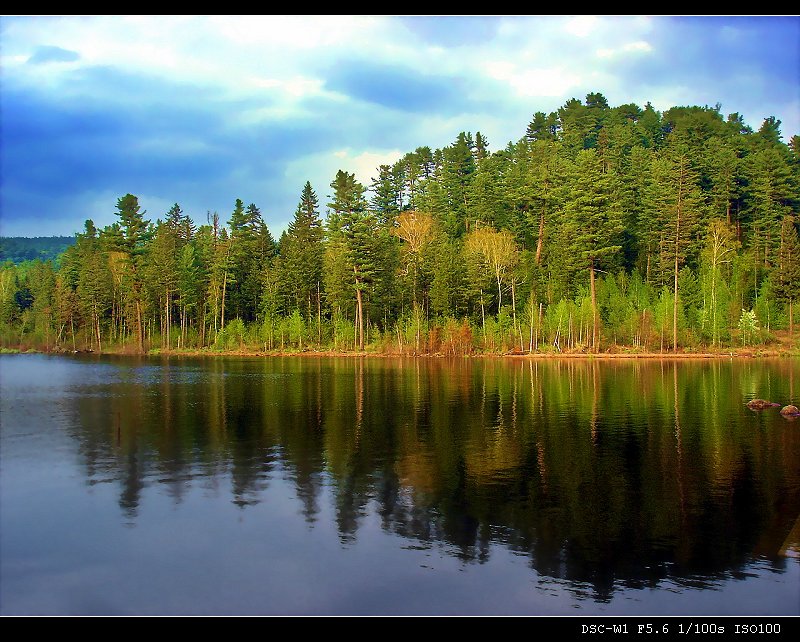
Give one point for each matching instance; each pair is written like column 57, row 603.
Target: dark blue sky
column 205, row 110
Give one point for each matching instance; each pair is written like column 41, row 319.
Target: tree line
column 18, row 249
column 602, row 228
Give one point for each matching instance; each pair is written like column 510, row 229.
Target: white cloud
column 294, row 87
column 294, row 32
column 271, row 71
column 321, row 167
column 224, row 52
column 581, row 26
column 533, row 82
column 365, row 165
column 639, row 46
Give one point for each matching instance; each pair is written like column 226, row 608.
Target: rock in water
column 760, row 404
column 790, row 411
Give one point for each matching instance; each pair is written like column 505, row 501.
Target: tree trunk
column 319, row 316
column 203, row 325
column 517, row 329
column 677, row 253
column 713, row 304
column 359, row 311
column 530, row 341
column 675, row 306
column 538, row 328
column 540, row 242
column 595, row 316
column 483, row 319
column 222, row 315
column 139, row 326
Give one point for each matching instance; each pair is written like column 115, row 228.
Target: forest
column 18, row 249
column 602, row 229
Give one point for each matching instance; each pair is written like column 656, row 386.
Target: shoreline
column 537, row 356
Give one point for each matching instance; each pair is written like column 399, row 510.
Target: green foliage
column 767, row 309
column 302, row 253
column 344, row 333
column 232, row 336
column 295, row 329
column 602, row 227
column 787, row 276
column 19, row 249
column 748, row 327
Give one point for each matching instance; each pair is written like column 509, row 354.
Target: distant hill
column 19, row 248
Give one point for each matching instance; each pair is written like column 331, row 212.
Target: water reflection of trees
column 602, row 473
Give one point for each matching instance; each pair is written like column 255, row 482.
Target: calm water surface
column 381, row 486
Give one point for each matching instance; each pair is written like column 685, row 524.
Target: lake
column 335, row 485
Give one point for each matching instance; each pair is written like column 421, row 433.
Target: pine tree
column 676, row 208
column 722, row 166
column 458, row 172
column 771, row 193
column 542, row 127
column 188, row 286
column 94, row 280
column 161, row 271
column 593, row 223
column 134, row 226
column 787, row 279
column 136, row 234
column 386, row 199
column 302, row 252
column 251, row 249
column 547, row 178
column 355, row 232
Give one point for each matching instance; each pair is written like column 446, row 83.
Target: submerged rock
column 761, row 404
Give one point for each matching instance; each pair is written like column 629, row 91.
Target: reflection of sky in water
column 88, row 376
column 227, row 530
column 208, row 555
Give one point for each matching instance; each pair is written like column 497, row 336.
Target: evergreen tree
column 188, row 286
column 770, row 196
column 42, row 283
column 593, row 223
column 386, row 200
column 135, row 235
column 676, row 208
column 448, row 282
column 547, row 178
column 458, row 172
column 302, row 252
column 769, row 134
column 133, row 224
column 542, row 127
column 252, row 247
column 722, row 165
column 787, row 281
column 355, row 243
column 706, row 205
column 481, row 150
column 94, row 282
column 650, row 127
column 161, row 271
